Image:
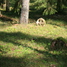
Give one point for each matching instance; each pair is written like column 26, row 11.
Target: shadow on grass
column 4, row 24
column 61, row 18
column 13, row 62
column 13, row 37
column 29, row 60
column 57, row 59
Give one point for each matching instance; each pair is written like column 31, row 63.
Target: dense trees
column 48, row 7
column 17, row 6
column 7, row 5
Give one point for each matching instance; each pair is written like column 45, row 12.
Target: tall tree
column 24, row 12
column 2, row 2
column 59, row 6
column 17, row 7
column 7, row 5
column 48, row 6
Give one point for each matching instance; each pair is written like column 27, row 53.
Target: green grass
column 28, row 46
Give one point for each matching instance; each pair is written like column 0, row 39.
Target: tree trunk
column 4, row 5
column 7, row 5
column 24, row 12
column 59, row 6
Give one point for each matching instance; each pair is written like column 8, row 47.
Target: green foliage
column 49, row 11
column 65, row 2
column 16, row 7
column 12, row 2
column 49, row 7
column 61, row 38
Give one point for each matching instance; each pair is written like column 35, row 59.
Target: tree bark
column 7, row 5
column 24, row 12
column 59, row 6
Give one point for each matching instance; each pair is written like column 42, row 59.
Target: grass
column 28, row 46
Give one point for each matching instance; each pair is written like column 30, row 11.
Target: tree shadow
column 52, row 58
column 48, row 59
column 45, row 42
column 58, row 17
column 13, row 37
column 13, row 62
column 24, row 61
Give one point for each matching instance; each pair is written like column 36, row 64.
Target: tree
column 17, row 6
column 7, row 5
column 59, row 6
column 24, row 12
column 50, row 6
column 2, row 2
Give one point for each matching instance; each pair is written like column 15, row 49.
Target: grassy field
column 28, row 46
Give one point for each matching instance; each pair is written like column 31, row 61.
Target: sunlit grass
column 27, row 46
